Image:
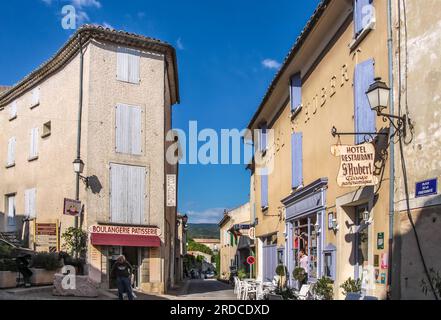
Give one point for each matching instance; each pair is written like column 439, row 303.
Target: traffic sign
column 251, row 260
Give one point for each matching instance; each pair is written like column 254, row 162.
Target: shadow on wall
column 428, row 225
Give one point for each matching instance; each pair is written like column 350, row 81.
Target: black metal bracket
column 335, row 133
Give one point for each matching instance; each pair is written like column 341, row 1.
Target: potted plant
column 282, row 272
column 351, row 286
column 323, row 289
column 8, row 273
column 44, row 266
column 241, row 274
column 299, row 275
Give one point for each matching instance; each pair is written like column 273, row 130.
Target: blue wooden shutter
column 362, row 17
column 296, row 92
column 264, row 187
column 364, row 116
column 263, row 141
column 297, row 159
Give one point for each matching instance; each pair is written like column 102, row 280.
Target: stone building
column 126, row 85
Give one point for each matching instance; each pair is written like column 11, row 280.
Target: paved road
column 208, row 290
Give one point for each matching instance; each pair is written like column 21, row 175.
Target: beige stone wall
column 417, row 62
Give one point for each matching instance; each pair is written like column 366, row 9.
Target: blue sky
column 228, row 53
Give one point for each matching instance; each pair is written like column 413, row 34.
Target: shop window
column 329, row 266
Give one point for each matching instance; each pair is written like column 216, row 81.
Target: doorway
column 361, row 242
column 132, row 255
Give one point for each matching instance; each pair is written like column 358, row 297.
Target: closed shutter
column 363, row 115
column 128, row 61
column 264, row 187
column 128, row 130
column 30, row 203
column 127, row 201
column 362, row 15
column 263, row 139
column 33, row 147
column 11, row 151
column 296, row 92
column 270, row 262
column 297, row 159
column 134, row 59
column 13, row 110
column 35, row 97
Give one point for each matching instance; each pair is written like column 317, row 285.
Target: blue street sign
column 426, row 188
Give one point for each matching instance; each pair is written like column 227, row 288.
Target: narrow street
column 208, row 290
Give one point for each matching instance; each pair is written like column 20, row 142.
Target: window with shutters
column 128, row 130
column 127, row 194
column 13, row 111
column 297, row 159
column 11, row 152
column 128, row 61
column 364, row 117
column 364, row 20
column 30, row 203
column 296, row 93
column 263, row 138
column 33, row 145
column 35, row 102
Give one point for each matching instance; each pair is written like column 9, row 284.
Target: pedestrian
column 123, row 270
column 304, row 261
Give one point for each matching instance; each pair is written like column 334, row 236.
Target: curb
column 24, row 291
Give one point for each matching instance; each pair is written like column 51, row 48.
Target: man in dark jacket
column 123, row 270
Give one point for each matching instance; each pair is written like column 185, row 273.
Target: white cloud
column 86, row 3
column 271, row 64
column 213, row 215
column 179, row 44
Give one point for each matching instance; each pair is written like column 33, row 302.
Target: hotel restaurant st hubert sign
column 357, row 165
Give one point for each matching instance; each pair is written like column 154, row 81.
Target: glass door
column 361, row 242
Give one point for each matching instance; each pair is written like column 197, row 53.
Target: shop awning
column 124, row 240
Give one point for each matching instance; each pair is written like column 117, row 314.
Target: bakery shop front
column 141, row 247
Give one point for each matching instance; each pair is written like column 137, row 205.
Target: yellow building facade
column 299, row 205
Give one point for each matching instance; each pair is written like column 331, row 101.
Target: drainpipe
column 392, row 148
column 80, row 113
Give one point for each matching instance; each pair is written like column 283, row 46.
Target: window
column 128, row 129
column 10, row 208
column 30, row 203
column 11, row 152
column 33, row 147
column 13, row 111
column 296, row 92
column 264, row 188
column 263, row 138
column 128, row 65
column 364, row 16
column 329, row 266
column 297, row 159
column 127, row 197
column 46, row 129
column 364, row 117
column 35, row 98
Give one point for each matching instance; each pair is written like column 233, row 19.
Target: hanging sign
column 357, row 165
column 252, row 233
column 72, row 207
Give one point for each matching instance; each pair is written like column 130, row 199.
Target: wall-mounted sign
column 426, row 188
column 72, row 207
column 46, row 236
column 383, row 278
column 126, row 230
column 376, row 261
column 384, row 261
column 171, row 190
column 357, row 165
column 331, row 220
column 380, row 241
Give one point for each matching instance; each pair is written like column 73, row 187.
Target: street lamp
column 185, row 219
column 378, row 95
column 78, row 165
